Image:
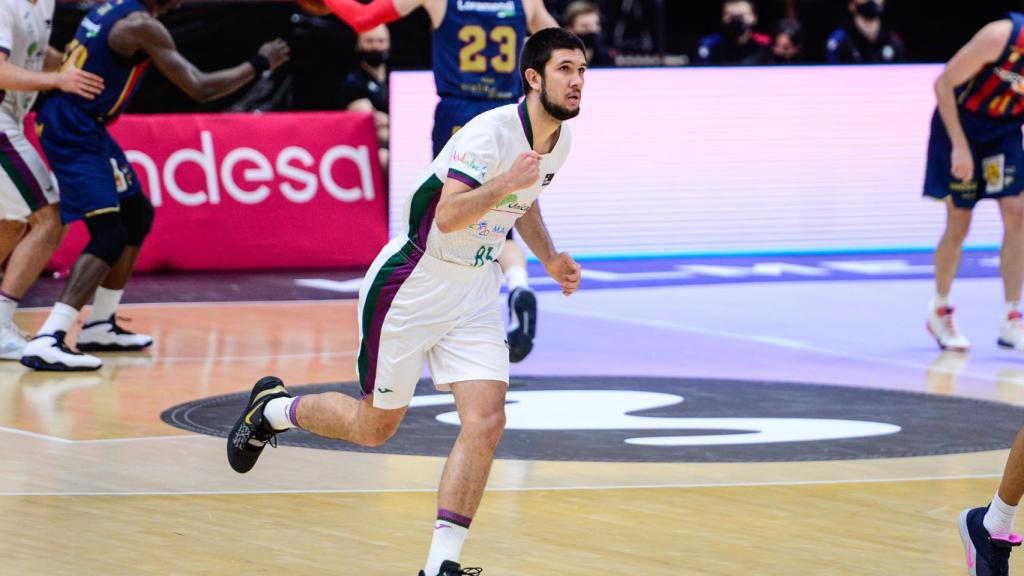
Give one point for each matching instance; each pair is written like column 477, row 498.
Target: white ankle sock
column 1012, row 306
column 104, row 304
column 450, row 532
column 999, row 518
column 516, row 277
column 60, row 319
column 939, row 301
column 7, row 306
column 280, row 413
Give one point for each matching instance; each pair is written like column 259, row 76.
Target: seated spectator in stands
column 365, row 89
column 737, row 43
column 583, row 19
column 787, row 43
column 865, row 39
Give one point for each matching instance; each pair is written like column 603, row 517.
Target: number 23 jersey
column 476, row 49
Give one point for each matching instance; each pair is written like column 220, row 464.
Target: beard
column 560, row 113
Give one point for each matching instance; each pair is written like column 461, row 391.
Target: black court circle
column 641, row 419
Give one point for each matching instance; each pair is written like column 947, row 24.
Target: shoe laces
column 465, row 572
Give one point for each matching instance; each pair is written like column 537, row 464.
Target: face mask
column 374, row 57
column 589, row 40
column 869, row 10
column 735, row 28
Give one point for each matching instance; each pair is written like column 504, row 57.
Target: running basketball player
column 975, row 152
column 987, row 532
column 431, row 295
column 28, row 198
column 475, row 47
column 117, row 41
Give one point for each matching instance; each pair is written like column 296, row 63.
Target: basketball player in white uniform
column 27, row 194
column 432, row 296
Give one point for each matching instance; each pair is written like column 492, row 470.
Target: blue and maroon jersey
column 91, row 52
column 998, row 90
column 476, row 49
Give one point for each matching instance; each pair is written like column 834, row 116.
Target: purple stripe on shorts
column 293, row 411
column 384, row 299
column 428, row 219
column 454, row 517
column 7, row 147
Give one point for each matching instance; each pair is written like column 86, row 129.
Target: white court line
column 60, row 440
column 768, row 340
column 523, row 489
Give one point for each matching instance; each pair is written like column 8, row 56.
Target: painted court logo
column 639, row 419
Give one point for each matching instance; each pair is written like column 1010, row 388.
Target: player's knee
column 107, row 237
column 137, row 213
column 380, row 433
column 486, row 426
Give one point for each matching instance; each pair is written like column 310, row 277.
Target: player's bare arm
column 461, row 205
column 145, row 33
column 71, row 80
column 537, row 16
column 559, row 265
column 53, row 60
column 364, row 17
column 983, row 49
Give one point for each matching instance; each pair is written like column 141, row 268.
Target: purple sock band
column 293, row 412
column 454, row 518
column 9, row 297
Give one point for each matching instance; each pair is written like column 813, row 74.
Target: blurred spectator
column 865, row 39
column 787, row 42
column 583, row 19
column 737, row 43
column 365, row 89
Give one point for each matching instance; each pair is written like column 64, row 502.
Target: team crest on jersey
column 1015, row 80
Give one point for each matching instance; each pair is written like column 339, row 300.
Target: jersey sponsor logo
column 92, row 29
column 502, row 9
column 1015, row 80
column 467, row 163
column 511, row 203
column 548, row 178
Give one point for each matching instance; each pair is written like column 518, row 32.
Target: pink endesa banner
column 254, row 191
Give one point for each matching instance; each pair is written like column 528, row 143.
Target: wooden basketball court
column 92, row 482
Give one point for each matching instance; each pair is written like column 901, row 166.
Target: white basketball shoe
column 48, row 352
column 12, row 342
column 943, row 328
column 107, row 336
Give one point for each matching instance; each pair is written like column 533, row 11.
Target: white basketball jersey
column 483, row 149
column 24, row 36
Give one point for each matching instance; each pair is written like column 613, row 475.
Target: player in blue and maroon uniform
column 975, row 152
column 116, row 41
column 476, row 51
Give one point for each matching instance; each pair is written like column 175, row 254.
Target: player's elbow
column 445, row 223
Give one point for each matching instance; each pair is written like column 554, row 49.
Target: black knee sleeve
column 137, row 214
column 107, row 236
